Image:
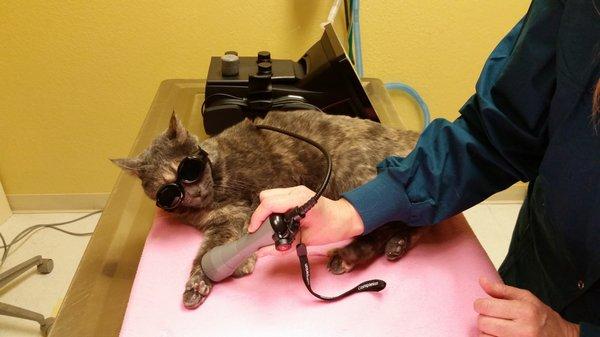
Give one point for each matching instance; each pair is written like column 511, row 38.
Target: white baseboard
column 37, row 203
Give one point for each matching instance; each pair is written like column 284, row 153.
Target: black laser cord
column 288, row 103
column 302, row 210
column 30, row 230
column 297, row 213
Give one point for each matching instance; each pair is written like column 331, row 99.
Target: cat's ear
column 129, row 165
column 176, row 130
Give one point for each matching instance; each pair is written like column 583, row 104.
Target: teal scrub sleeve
column 499, row 138
column 589, row 330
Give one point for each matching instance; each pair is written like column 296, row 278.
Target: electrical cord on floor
column 32, row 229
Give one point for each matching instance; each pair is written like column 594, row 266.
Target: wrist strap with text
column 371, row 285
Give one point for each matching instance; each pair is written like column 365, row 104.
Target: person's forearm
column 449, row 171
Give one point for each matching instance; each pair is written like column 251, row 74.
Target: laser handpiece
column 220, row 262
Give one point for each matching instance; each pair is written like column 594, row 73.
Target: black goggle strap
column 370, row 285
column 202, row 152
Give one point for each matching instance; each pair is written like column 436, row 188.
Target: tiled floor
column 492, row 223
column 33, row 291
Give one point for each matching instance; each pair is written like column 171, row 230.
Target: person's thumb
column 261, row 213
column 502, row 291
column 277, row 201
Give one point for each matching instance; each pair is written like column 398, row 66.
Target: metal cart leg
column 44, row 266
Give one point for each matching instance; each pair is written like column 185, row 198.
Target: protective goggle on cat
column 189, row 171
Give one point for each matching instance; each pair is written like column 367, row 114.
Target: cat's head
column 157, row 166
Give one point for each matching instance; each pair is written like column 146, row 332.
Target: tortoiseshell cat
column 245, row 161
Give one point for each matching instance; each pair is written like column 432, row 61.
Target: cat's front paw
column 197, row 289
column 245, row 268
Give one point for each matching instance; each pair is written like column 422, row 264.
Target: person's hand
column 517, row 312
column 328, row 221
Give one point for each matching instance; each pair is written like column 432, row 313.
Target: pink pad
column 430, row 292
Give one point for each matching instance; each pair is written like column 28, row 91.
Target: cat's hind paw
column 337, row 265
column 197, row 289
column 397, row 246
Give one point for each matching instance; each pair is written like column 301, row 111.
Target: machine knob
column 230, row 65
column 264, row 68
column 263, row 56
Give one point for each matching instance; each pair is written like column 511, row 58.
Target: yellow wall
column 77, row 77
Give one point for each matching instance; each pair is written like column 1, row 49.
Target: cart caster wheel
column 46, row 266
column 47, row 325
